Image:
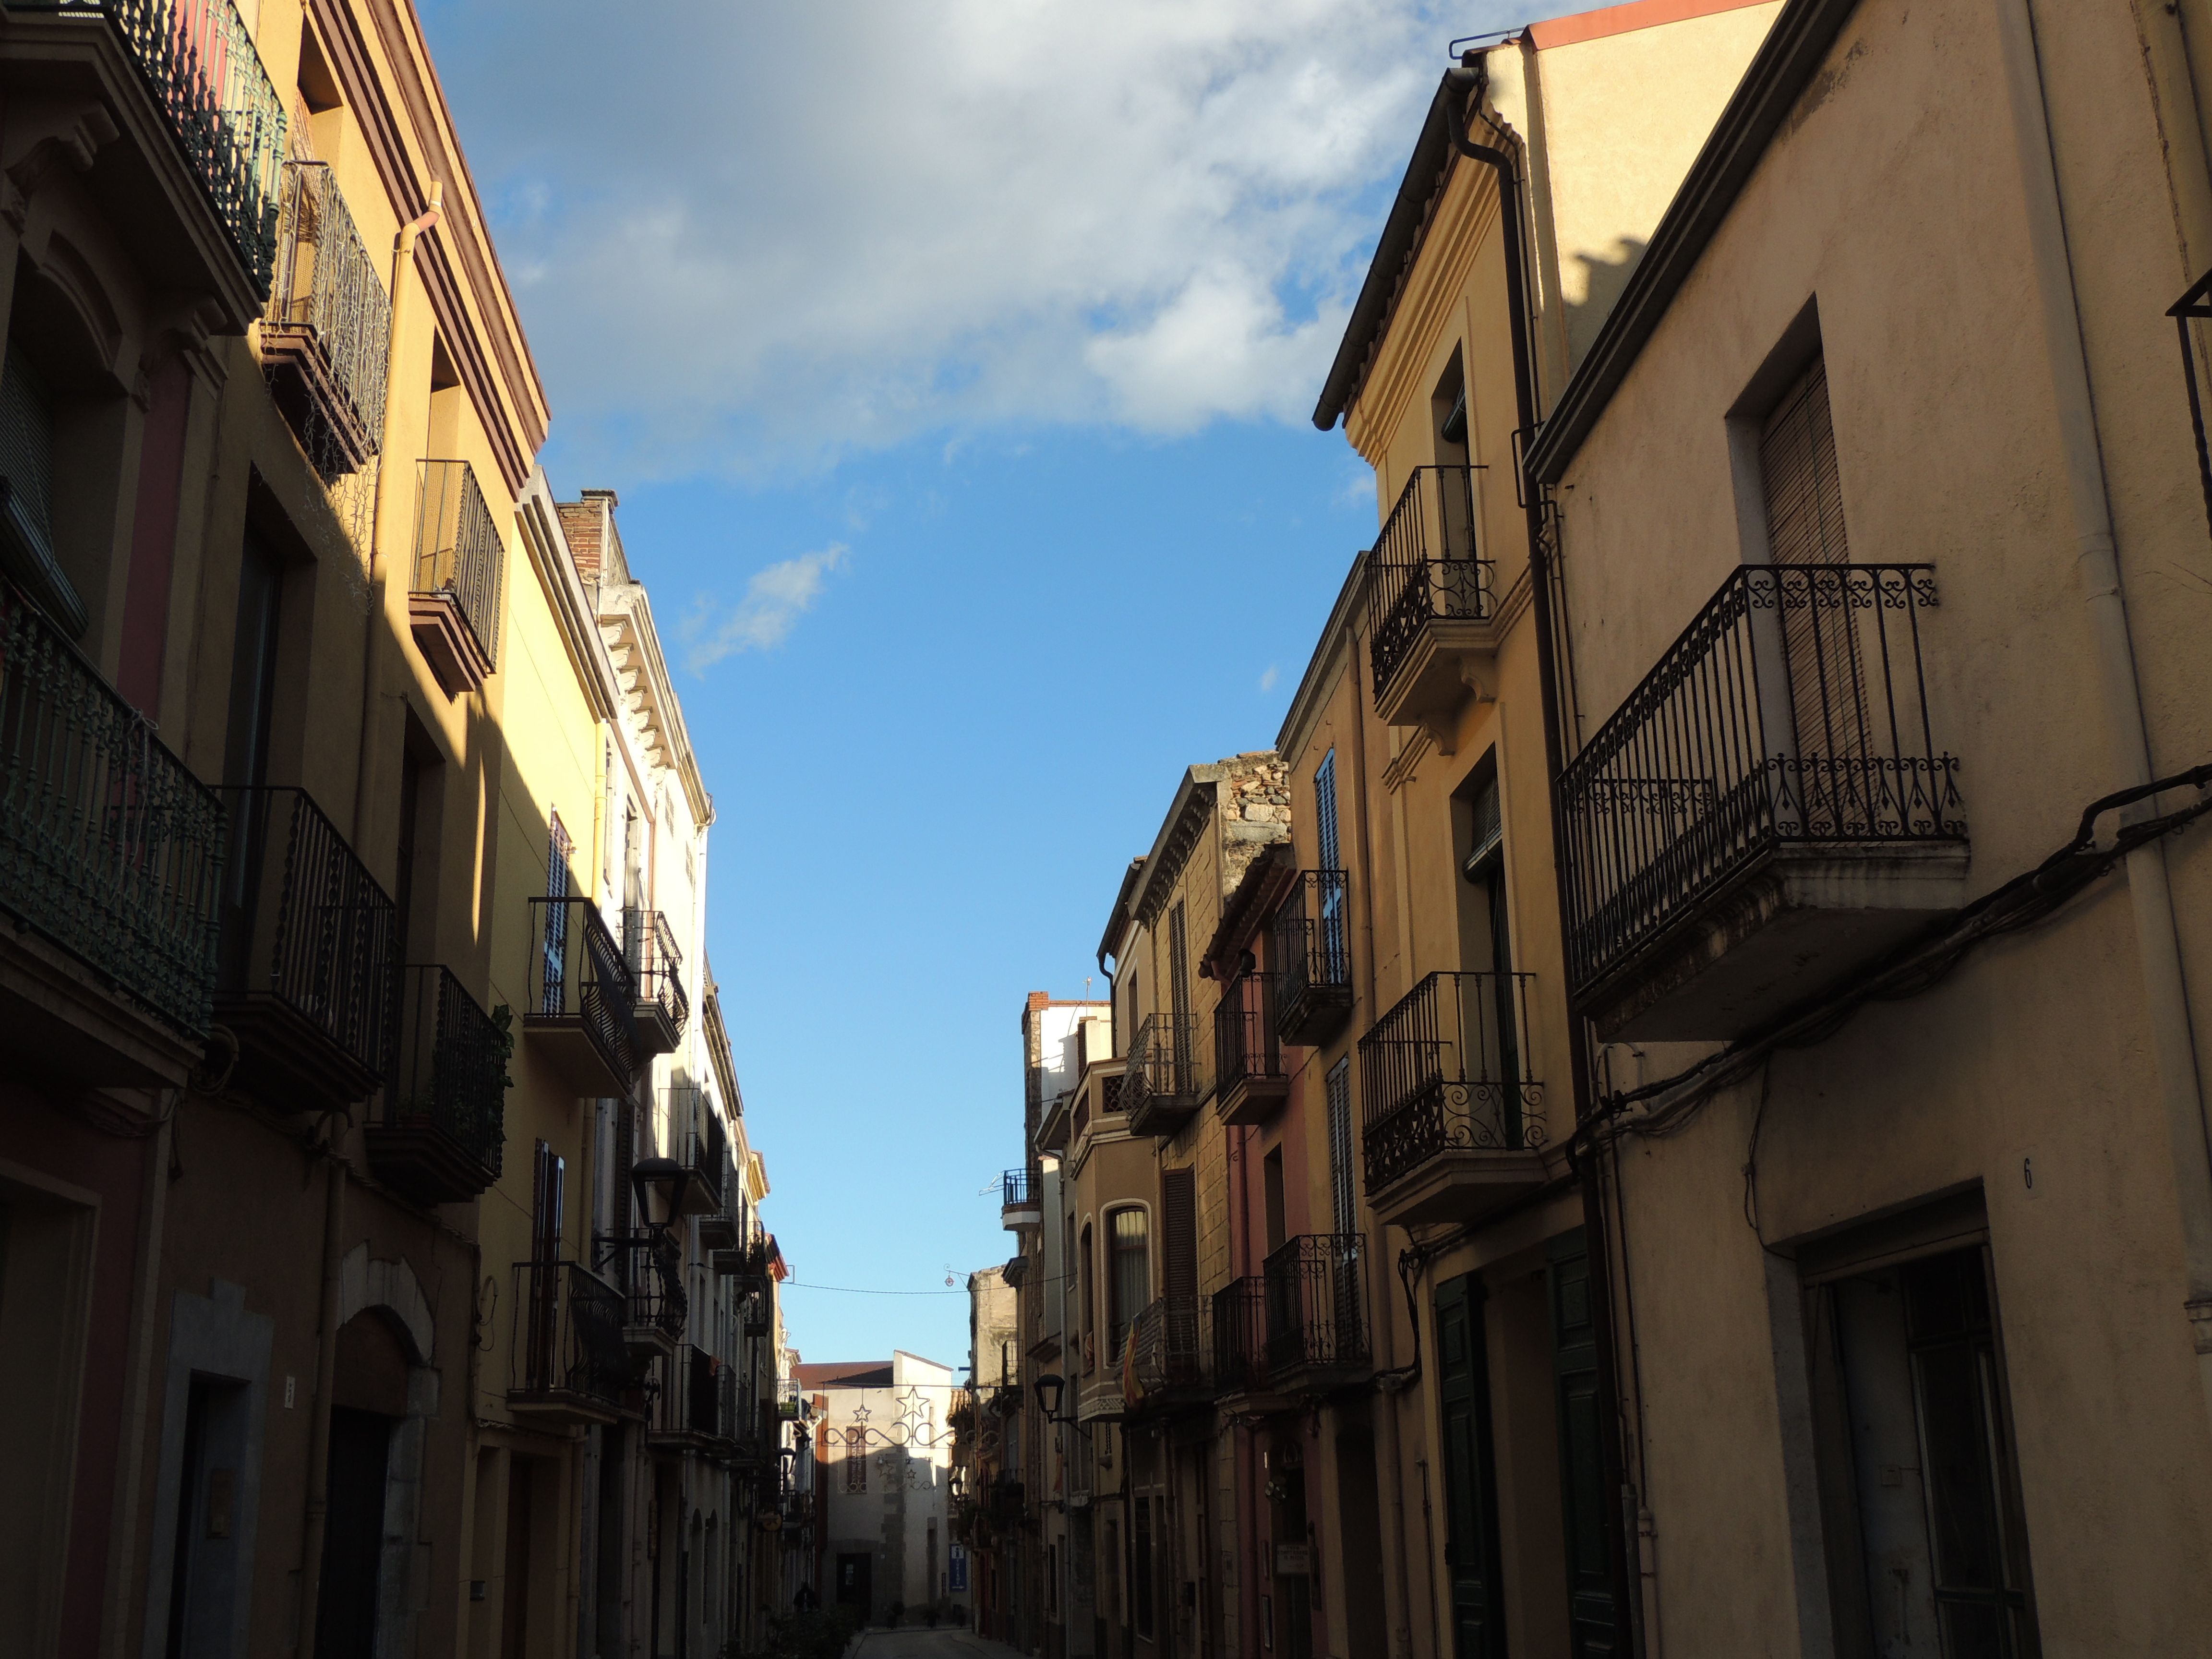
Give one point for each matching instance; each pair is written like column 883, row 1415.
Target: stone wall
column 1255, row 803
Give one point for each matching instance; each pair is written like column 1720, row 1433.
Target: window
column 555, row 945
column 1325, row 811
column 1129, row 1233
column 1338, row 965
column 26, row 462
column 1804, row 496
column 1087, row 1303
column 1344, row 1211
column 856, row 1459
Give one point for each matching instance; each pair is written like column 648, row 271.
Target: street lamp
column 1049, row 1388
column 660, row 1182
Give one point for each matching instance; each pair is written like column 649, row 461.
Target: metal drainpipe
column 2157, row 944
column 1473, row 82
column 379, row 567
column 318, row 1429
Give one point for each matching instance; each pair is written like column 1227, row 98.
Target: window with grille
column 856, row 1459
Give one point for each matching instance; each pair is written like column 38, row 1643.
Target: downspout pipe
column 1470, row 80
column 379, row 567
column 2158, row 944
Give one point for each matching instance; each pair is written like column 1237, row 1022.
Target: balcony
column 453, row 597
column 719, row 1227
column 1020, row 1203
column 1312, row 960
column 326, row 337
column 656, row 967
column 1452, row 1115
column 1435, row 619
column 649, row 1266
column 690, row 1414
column 219, row 120
column 579, row 1013
column 1317, row 1313
column 697, row 1143
column 1160, row 1088
column 1171, row 1351
column 441, row 1133
column 307, row 977
column 1248, row 1058
column 1767, row 810
column 747, row 1261
column 572, row 1366
column 1240, row 1338
column 111, row 853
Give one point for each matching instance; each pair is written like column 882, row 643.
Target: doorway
column 353, row 1542
column 1471, row 1556
column 856, row 1583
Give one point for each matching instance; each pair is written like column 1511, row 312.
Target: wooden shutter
column 1590, row 1613
column 1471, row 1551
column 1805, row 526
column 1179, row 1234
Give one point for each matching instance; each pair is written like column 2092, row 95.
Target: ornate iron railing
column 1015, row 1187
column 655, row 966
column 1316, row 1312
column 1792, row 709
column 109, row 846
column 1448, row 1069
column 199, row 64
column 326, row 284
column 305, row 923
column 1162, row 1069
column 451, row 1068
column 1240, row 1335
column 1312, row 952
column 1169, row 1340
column 569, row 1327
column 458, row 550
column 649, row 1265
column 704, row 1157
column 1424, row 565
column 1245, row 1046
column 577, row 975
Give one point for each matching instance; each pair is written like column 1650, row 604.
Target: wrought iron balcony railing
column 656, row 967
column 649, row 1266
column 704, row 1159
column 1448, row 1070
column 1169, row 1340
column 1424, row 565
column 308, row 972
column 1792, row 709
column 568, row 1331
column 198, row 62
column 1312, row 957
column 1316, row 1312
column 1016, row 1190
column 1240, row 1335
column 326, row 337
column 109, row 847
column 441, row 1135
column 580, row 996
column 459, row 564
column 790, row 1404
column 1160, row 1086
column 1245, row 1046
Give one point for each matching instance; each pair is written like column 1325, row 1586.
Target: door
column 856, row 1583
column 1590, row 1616
column 1469, row 1474
column 353, row 1543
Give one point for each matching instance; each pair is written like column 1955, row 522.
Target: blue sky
column 952, row 360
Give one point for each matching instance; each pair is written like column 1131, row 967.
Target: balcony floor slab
column 1800, row 916
column 1458, row 1185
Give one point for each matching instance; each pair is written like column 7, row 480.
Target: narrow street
column 944, row 1643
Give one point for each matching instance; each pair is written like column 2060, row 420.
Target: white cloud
column 775, row 600
column 1267, row 680
column 757, row 235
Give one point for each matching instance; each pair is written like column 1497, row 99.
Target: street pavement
column 912, row 1642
